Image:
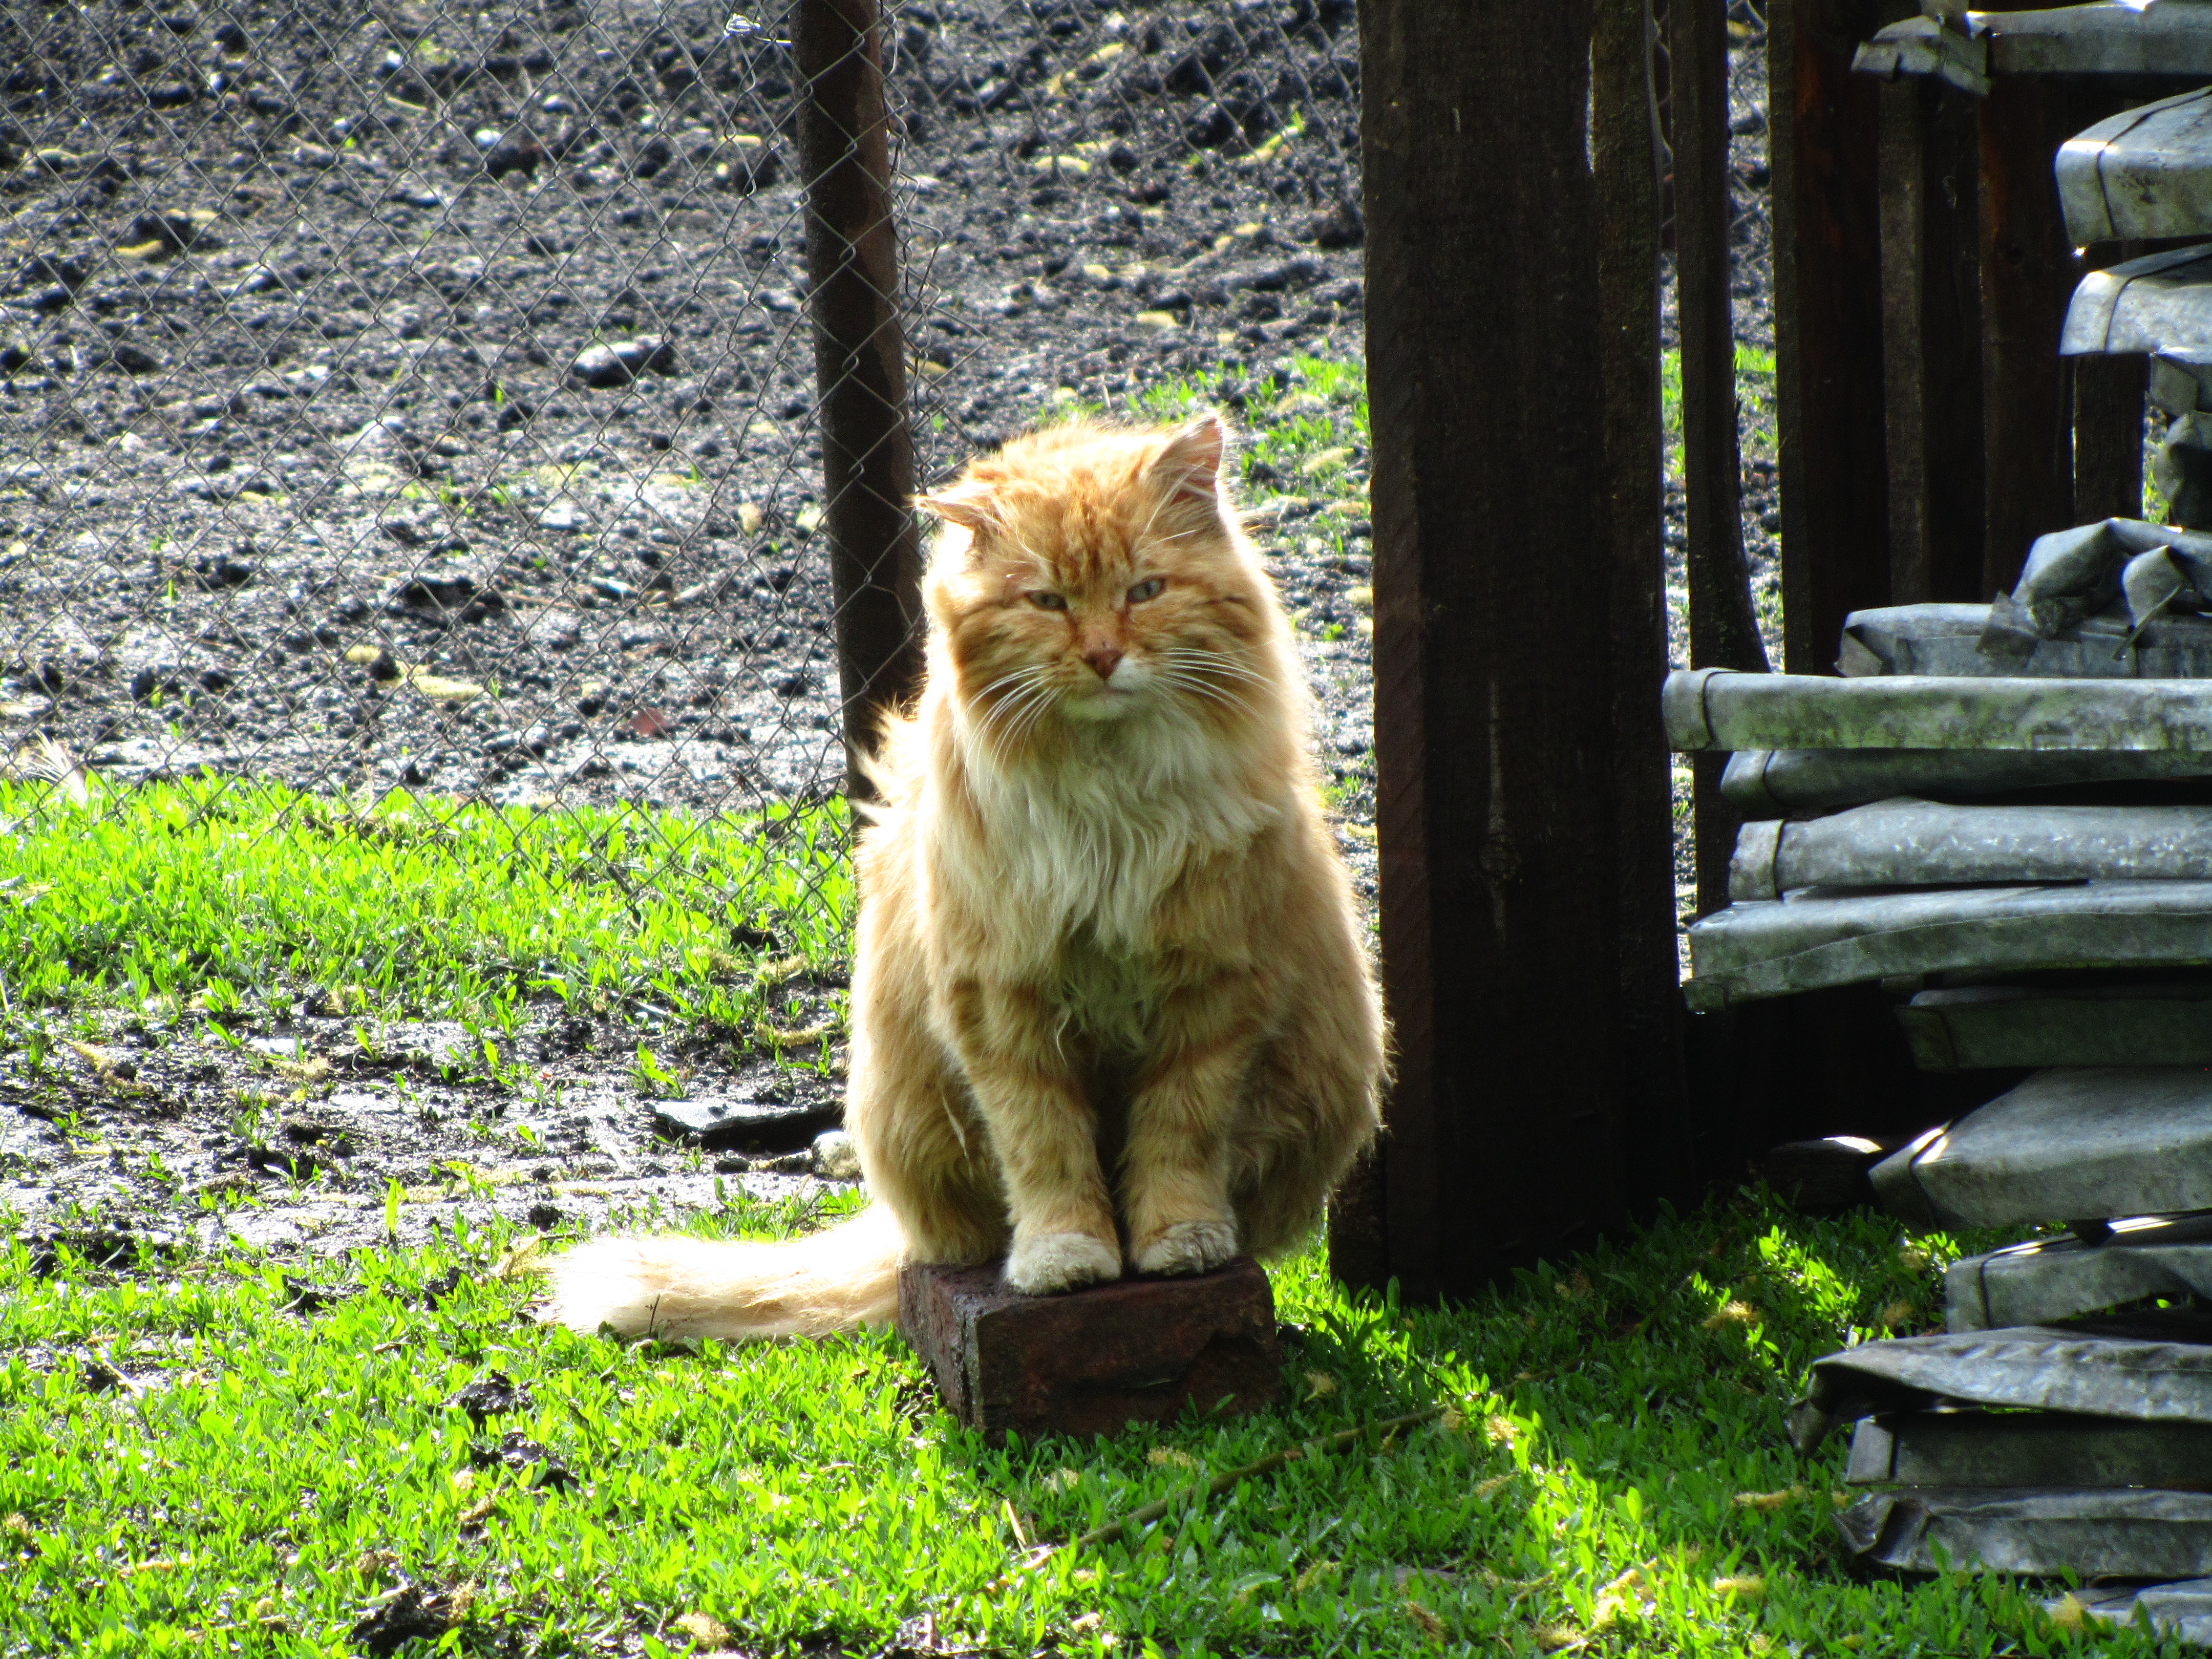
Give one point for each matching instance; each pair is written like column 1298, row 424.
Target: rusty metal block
column 1139, row 1350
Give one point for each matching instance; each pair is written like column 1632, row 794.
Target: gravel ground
column 421, row 398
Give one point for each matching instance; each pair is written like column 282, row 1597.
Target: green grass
column 1754, row 389
column 225, row 895
column 1610, row 1477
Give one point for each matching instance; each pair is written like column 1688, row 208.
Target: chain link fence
column 417, row 403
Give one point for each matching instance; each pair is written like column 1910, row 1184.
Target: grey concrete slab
column 1955, row 640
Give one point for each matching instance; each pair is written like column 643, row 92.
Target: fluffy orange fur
column 1110, row 1009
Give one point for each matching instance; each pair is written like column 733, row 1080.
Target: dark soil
column 421, row 398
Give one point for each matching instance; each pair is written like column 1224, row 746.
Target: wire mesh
column 421, row 398
column 1096, row 197
column 413, row 398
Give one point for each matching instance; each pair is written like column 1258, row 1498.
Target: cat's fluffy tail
column 669, row 1285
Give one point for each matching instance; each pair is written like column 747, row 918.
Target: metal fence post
column 867, row 452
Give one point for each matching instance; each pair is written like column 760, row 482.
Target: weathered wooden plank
column 1931, row 342
column 1507, row 1129
column 1723, row 625
column 1829, row 417
column 2026, row 271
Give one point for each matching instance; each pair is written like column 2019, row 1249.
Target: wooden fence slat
column 1504, row 767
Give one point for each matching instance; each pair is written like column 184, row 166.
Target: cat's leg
column 1031, row 1099
column 925, row 1154
column 1176, row 1164
column 923, row 1151
column 1310, row 1109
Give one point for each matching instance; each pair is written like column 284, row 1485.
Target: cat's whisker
column 1019, row 714
column 1221, row 695
column 1210, row 663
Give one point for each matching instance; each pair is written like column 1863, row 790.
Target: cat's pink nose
column 1103, row 660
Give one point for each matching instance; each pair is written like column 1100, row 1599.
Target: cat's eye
column 1147, row 589
column 1045, row 599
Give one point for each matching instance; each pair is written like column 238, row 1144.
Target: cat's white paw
column 1049, row 1263
column 1189, row 1247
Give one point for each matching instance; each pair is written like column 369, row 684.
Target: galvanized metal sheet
column 1719, row 708
column 1973, row 1027
column 2115, row 573
column 2071, row 1143
column 1975, row 1447
column 1811, row 940
column 1771, row 782
column 1923, row 45
column 2054, row 1279
column 2160, row 302
column 2036, row 1367
column 2181, row 381
column 1956, row 639
column 2145, row 173
column 1917, row 843
column 2163, row 37
column 2131, row 1531
column 2183, row 1609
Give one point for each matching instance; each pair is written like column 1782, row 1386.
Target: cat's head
column 1094, row 574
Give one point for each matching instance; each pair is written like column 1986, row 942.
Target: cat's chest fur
column 1089, row 853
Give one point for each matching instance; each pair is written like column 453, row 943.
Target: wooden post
column 2108, row 418
column 1505, row 774
column 1723, row 625
column 859, row 366
column 1828, row 324
column 1624, row 140
column 2028, row 272
column 1931, row 341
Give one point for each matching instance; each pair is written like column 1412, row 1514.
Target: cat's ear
column 1190, row 464
column 968, row 504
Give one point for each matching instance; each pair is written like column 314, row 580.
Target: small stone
column 836, row 1156
column 493, row 1395
column 606, row 366
column 1338, row 226
column 718, row 1124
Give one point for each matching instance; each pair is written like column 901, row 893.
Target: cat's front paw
column 1049, row 1263
column 1189, row 1247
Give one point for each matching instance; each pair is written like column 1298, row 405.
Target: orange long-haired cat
column 1111, row 1010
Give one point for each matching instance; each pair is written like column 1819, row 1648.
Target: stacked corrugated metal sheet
column 2003, row 813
